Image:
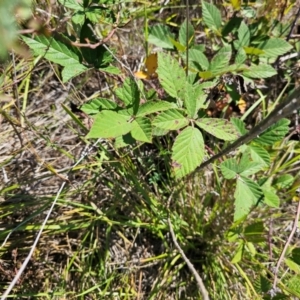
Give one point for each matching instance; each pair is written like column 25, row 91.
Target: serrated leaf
column 274, row 47
column 142, row 130
column 72, row 71
column 190, row 100
column 246, row 195
column 270, row 197
column 159, row 36
column 211, row 16
column 284, row 181
column 171, row 119
column 53, row 50
column 79, row 17
column 220, row 128
column 159, row 131
column 221, row 60
column 260, row 155
column 294, row 285
column 229, row 168
column 73, row 4
column 239, row 125
column 274, row 133
column 129, row 94
column 240, row 57
column 170, row 75
column 198, row 59
column 98, row 104
column 260, row 71
column 188, row 151
column 151, row 107
column 244, row 35
column 109, row 124
column 246, row 167
column 186, row 34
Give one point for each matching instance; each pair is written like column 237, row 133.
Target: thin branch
column 199, row 281
column 295, row 226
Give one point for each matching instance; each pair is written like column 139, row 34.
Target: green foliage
column 8, row 23
column 173, row 116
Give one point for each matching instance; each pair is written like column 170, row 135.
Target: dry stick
column 295, row 226
column 199, row 280
column 26, row 261
column 284, row 109
column 189, row 264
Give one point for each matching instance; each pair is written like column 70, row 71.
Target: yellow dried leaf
column 150, row 68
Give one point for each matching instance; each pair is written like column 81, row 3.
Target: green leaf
column 190, row 100
column 57, row 52
column 294, row 285
column 229, row 168
column 238, row 254
column 259, row 154
column 142, row 130
column 171, row 119
column 284, row 181
column 274, row 47
column 53, row 50
column 159, row 36
column 73, row 4
column 124, row 141
column 129, row 94
column 220, row 128
column 98, row 104
column 246, row 167
column 185, row 28
column 240, row 57
column 221, row 60
column 72, row 71
column 271, row 199
column 156, row 131
column 244, row 35
column 188, row 151
column 239, row 125
column 109, row 124
column 151, row 107
column 111, row 70
column 179, row 47
column 211, row 16
column 246, row 195
column 253, row 51
column 274, row 133
column 79, row 17
column 198, row 59
column 255, row 232
column 170, row 75
column 260, row 71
